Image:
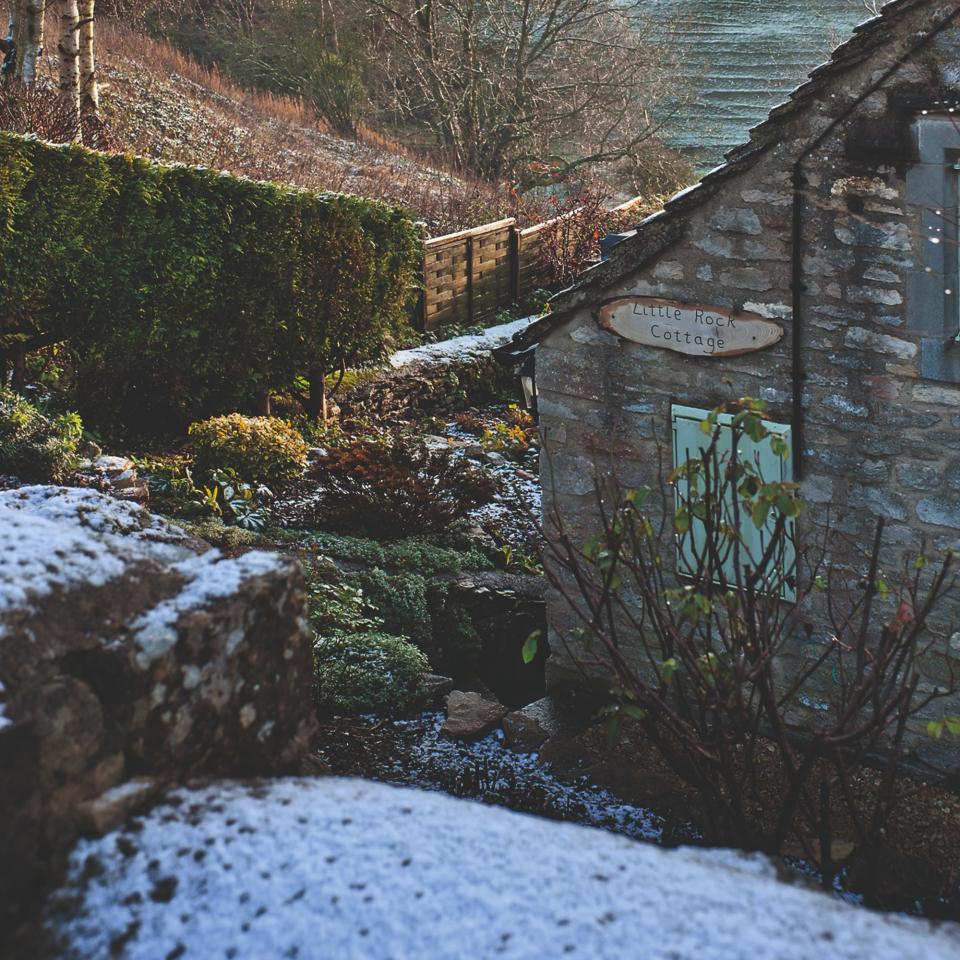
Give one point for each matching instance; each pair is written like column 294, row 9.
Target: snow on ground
column 461, row 348
column 338, row 869
column 487, row 770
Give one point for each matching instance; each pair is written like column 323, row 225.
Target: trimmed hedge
column 184, row 292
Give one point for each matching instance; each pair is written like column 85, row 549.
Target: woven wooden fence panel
column 468, row 276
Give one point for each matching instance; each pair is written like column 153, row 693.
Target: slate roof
column 661, row 229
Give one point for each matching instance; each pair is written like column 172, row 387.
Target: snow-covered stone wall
column 128, row 648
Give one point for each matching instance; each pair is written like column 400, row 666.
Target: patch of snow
column 336, row 868
column 487, row 770
column 208, row 577
column 63, row 537
column 40, row 554
column 461, row 348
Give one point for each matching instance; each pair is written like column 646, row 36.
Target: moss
column 220, row 535
column 414, row 555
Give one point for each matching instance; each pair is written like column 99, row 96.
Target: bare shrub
column 705, row 660
column 36, row 109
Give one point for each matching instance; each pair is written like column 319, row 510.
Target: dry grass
column 159, row 102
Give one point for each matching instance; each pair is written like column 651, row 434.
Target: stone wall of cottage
column 880, row 440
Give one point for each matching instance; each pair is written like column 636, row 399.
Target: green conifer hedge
column 184, row 292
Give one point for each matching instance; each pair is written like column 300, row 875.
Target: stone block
column 940, row 511
column 919, row 476
column 737, row 220
column 127, row 646
column 878, row 295
column 747, row 278
column 862, row 338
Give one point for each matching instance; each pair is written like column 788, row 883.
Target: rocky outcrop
column 505, row 609
column 129, row 649
column 333, row 868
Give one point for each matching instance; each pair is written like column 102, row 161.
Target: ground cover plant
column 35, row 446
column 395, row 484
column 359, row 667
column 698, row 661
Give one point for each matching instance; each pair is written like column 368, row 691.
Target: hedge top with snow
column 181, row 291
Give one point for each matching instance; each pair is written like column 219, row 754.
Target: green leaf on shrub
column 632, row 710
column 530, row 646
column 761, row 510
column 668, row 668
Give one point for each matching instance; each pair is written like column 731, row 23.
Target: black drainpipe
column 799, row 182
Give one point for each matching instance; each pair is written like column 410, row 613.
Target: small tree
column 502, row 83
column 701, row 651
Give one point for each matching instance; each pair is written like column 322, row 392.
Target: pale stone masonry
column 871, row 141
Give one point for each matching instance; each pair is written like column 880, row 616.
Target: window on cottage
column 689, row 442
column 933, row 274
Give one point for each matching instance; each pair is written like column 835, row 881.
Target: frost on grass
column 349, row 869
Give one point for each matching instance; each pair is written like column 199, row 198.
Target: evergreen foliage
column 36, row 447
column 257, row 449
column 184, row 292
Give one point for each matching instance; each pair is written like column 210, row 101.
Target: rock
column 433, row 688
column 127, row 645
column 111, row 809
column 116, row 475
column 527, row 729
column 469, row 716
column 346, row 868
column 524, row 733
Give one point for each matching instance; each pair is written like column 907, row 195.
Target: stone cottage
column 817, row 269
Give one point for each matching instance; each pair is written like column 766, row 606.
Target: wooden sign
column 692, row 329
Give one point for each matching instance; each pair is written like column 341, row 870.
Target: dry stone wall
column 128, row 649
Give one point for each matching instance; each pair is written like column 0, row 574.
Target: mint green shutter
column 689, row 441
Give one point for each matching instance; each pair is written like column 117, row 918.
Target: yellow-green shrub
column 257, row 449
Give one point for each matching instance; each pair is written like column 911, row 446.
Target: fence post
column 421, row 308
column 469, row 279
column 515, row 264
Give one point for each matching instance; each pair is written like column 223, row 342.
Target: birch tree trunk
column 69, row 48
column 89, row 87
column 29, row 39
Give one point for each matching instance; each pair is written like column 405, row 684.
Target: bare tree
column 69, row 50
column 502, row 83
column 89, row 86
